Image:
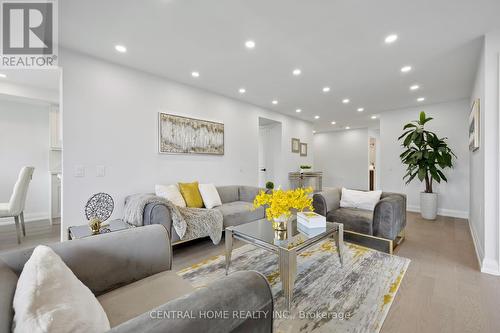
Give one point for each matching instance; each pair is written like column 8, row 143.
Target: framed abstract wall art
column 183, row 135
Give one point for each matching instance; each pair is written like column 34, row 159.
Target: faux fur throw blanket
column 189, row 223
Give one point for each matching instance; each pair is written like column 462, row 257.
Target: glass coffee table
column 286, row 244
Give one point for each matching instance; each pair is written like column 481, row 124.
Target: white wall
column 451, row 121
column 110, row 118
column 343, row 158
column 485, row 162
column 24, row 141
column 476, row 165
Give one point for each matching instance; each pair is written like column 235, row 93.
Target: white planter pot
column 428, row 205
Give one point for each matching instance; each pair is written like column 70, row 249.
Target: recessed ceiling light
column 333, row 123
column 250, row 44
column 420, row 99
column 296, row 72
column 374, row 117
column 274, row 102
column 242, row 90
column 120, row 48
column 326, row 89
column 347, row 127
column 195, row 74
column 3, row 76
column 405, row 69
column 345, row 100
column 316, row 117
column 314, row 132
column 415, row 87
column 298, row 110
column 391, row 39
column 361, row 109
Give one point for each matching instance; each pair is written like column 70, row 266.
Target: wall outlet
column 79, row 171
column 100, row 171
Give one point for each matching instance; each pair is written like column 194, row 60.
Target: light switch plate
column 79, row 171
column 100, row 171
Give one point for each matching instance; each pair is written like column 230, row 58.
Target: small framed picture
column 303, row 149
column 474, row 126
column 295, row 145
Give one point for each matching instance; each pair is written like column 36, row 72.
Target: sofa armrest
column 327, row 200
column 157, row 213
column 230, row 298
column 8, row 284
column 111, row 260
column 248, row 193
column 389, row 216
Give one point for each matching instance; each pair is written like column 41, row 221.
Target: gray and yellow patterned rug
column 327, row 297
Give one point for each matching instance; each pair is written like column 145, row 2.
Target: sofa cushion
column 228, row 193
column 354, row 219
column 50, row 298
column 211, row 197
column 248, row 193
column 239, row 212
column 359, row 199
column 128, row 302
column 191, row 194
column 171, row 193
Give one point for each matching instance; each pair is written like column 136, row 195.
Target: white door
column 266, row 155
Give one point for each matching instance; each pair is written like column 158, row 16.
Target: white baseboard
column 28, row 217
column 477, row 248
column 490, row 266
column 486, row 265
column 443, row 212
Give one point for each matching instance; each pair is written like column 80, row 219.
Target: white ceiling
column 335, row 43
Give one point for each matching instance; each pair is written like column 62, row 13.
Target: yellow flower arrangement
column 280, row 202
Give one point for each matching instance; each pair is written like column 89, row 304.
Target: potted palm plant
column 425, row 156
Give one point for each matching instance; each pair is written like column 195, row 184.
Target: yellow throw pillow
column 191, row 194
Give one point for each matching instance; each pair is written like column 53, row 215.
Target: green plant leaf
column 442, row 175
column 408, row 126
column 405, row 133
column 421, row 174
column 435, row 175
column 426, row 120
column 422, row 118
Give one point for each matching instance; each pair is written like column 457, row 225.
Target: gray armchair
column 381, row 229
column 130, row 273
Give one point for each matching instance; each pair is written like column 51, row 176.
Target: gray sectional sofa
column 237, row 208
column 382, row 228
column 130, row 273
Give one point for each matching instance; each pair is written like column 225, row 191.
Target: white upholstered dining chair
column 15, row 207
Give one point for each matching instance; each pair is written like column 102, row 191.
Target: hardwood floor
column 443, row 290
column 37, row 232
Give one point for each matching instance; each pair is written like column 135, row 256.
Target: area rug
column 327, row 297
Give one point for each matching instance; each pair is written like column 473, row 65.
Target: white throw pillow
column 50, row 298
column 171, row 193
column 210, row 195
column 359, row 199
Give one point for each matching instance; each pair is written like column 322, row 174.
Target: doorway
column 269, row 151
column 372, row 162
column 30, row 136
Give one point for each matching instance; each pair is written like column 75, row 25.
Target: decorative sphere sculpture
column 99, row 206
